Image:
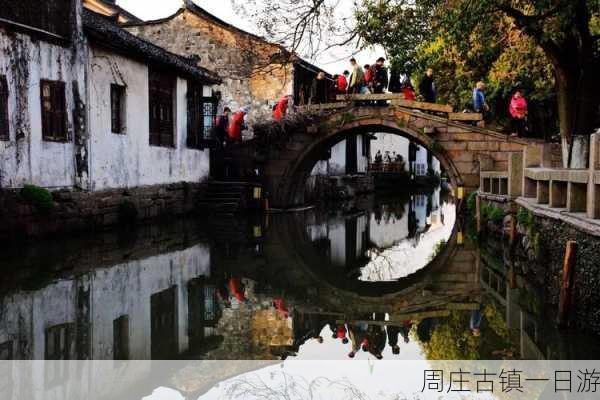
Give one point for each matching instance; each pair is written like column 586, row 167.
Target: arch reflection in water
column 236, row 288
column 383, row 239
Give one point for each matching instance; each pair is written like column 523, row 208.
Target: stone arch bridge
column 289, row 149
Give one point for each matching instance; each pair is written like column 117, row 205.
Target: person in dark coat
column 392, row 335
column 320, row 89
column 221, row 125
column 427, row 87
column 380, row 77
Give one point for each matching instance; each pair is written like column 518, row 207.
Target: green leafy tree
column 566, row 32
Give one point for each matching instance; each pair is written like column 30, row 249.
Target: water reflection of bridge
column 156, row 297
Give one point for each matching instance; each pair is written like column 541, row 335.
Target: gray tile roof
column 105, row 32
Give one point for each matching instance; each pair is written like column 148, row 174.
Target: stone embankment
column 71, row 211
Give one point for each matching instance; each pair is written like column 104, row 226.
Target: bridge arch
column 289, row 190
column 458, row 146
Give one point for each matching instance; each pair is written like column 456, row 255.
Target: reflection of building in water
column 347, row 157
column 156, row 307
column 343, row 238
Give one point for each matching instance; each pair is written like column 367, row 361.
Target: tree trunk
column 578, row 99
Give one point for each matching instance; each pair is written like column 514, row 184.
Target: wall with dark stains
column 128, row 159
column 25, row 158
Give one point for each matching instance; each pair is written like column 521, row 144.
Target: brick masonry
column 459, row 147
column 242, row 60
column 77, row 211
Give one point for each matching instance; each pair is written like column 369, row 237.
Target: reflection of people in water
column 223, row 291
column 392, row 336
column 475, row 322
column 405, row 330
column 375, row 341
column 340, row 333
column 237, row 289
column 425, row 329
column 307, row 327
column 281, row 308
column 357, row 335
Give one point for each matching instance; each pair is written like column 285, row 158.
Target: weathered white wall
column 435, row 165
column 421, row 161
column 128, row 160
column 420, row 209
column 362, row 161
column 337, row 161
column 126, row 289
column 26, row 158
column 123, row 289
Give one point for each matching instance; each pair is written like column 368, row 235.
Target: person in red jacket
column 518, row 113
column 237, row 289
column 342, row 82
column 409, row 93
column 280, row 110
column 237, row 125
column 368, row 75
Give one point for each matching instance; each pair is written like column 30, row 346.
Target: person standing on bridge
column 281, row 108
column 342, row 83
column 380, row 79
column 221, row 124
column 320, row 89
column 518, row 113
column 427, row 87
column 369, row 74
column 237, row 124
column 479, row 103
column 357, row 79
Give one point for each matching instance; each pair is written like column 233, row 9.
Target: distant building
column 418, row 161
column 391, row 144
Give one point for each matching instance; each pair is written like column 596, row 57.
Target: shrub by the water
column 39, row 197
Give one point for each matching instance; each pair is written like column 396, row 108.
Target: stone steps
column 229, row 197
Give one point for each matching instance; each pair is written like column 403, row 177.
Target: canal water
column 379, row 277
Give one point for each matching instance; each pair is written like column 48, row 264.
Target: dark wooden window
column 6, row 351
column 202, row 112
column 54, row 110
column 47, row 18
column 117, row 108
column 4, row 123
column 164, row 324
column 162, row 122
column 60, row 342
column 121, row 338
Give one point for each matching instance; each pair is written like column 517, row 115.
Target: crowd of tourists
column 370, row 79
column 370, row 334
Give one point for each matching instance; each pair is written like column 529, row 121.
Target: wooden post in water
column 564, row 301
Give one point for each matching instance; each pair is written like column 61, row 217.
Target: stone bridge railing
column 395, row 99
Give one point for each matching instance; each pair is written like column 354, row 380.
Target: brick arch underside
column 289, row 191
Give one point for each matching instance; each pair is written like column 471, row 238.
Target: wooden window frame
column 118, row 95
column 59, row 342
column 54, row 118
column 200, row 133
column 162, row 103
column 121, row 338
column 4, row 120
